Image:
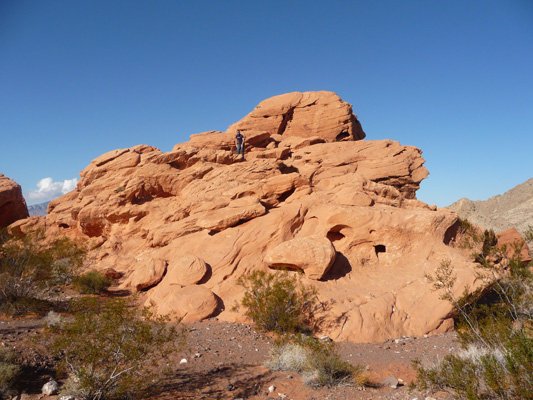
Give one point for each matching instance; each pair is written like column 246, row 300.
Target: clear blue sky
column 453, row 78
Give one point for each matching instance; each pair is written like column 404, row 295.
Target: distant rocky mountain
column 38, row 210
column 512, row 209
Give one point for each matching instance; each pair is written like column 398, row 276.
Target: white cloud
column 49, row 190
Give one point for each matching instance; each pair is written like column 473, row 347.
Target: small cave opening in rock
column 342, row 136
column 380, row 248
column 64, row 226
column 333, row 236
column 336, row 234
column 451, row 233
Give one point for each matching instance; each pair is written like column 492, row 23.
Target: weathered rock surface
column 188, row 304
column 12, row 204
column 514, row 208
column 303, row 178
column 312, row 254
column 509, row 238
column 304, row 115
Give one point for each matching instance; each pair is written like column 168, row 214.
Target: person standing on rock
column 239, row 142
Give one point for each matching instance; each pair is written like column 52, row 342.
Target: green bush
column 494, row 325
column 110, row 350
column 9, row 372
column 31, row 268
column 278, row 301
column 92, row 282
column 319, row 362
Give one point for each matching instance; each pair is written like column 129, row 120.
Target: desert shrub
column 319, row 362
column 495, row 327
column 110, row 349
column 92, row 282
column 9, row 371
column 30, row 268
column 278, row 301
column 288, row 357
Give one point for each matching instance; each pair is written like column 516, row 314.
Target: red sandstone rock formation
column 12, row 204
column 183, row 226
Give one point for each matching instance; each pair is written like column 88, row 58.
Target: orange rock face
column 12, row 204
column 210, row 217
column 303, row 115
column 510, row 238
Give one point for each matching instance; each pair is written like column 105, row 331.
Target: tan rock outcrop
column 12, row 204
column 186, row 270
column 148, row 275
column 188, row 304
column 312, row 254
column 373, row 241
column 304, row 115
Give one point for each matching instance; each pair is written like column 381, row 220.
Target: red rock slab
column 12, row 204
column 510, row 238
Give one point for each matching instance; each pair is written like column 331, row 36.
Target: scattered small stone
column 50, row 388
column 68, row 397
column 426, row 336
column 197, row 355
column 183, row 361
column 390, row 381
column 230, row 387
column 326, row 339
column 430, row 398
column 271, row 388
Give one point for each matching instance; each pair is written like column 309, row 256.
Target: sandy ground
column 225, row 361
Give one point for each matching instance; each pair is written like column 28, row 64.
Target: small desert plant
column 110, row 349
column 495, row 326
column 278, row 301
column 319, row 362
column 9, row 371
column 30, row 268
column 92, row 282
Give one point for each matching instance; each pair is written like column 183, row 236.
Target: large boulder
column 12, row 204
column 309, row 196
column 312, row 254
column 307, row 114
column 188, row 304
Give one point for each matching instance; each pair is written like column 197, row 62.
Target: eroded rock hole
column 286, row 119
column 335, row 233
column 64, row 226
column 342, row 136
column 380, row 248
column 333, row 236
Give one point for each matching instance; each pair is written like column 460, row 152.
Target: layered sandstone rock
column 12, row 204
column 211, row 218
column 309, row 114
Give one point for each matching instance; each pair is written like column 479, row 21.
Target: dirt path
column 225, row 361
